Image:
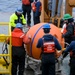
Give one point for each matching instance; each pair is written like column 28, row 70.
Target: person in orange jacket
column 18, row 49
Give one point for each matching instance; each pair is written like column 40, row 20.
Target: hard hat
column 19, row 10
column 67, row 16
column 19, row 25
column 46, row 26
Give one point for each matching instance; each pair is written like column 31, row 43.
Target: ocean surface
column 7, row 7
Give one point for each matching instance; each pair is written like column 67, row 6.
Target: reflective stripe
column 49, row 43
column 22, row 36
column 49, row 47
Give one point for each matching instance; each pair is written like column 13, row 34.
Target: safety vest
column 14, row 18
column 48, row 47
column 64, row 29
column 34, row 7
column 17, row 37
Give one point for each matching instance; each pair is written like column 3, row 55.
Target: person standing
column 48, row 44
column 26, row 6
column 71, row 49
column 18, row 50
column 36, row 7
column 68, row 31
column 17, row 17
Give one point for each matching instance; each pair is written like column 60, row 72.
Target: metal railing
column 5, row 58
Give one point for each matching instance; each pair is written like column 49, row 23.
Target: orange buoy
column 36, row 32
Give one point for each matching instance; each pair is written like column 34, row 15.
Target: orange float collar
column 33, row 39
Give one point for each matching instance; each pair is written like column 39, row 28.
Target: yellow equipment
column 59, row 8
column 5, row 58
column 2, row 61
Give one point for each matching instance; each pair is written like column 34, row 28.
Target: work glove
column 59, row 53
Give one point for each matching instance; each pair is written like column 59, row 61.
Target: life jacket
column 48, row 47
column 17, row 37
column 26, row 2
column 64, row 29
column 34, row 7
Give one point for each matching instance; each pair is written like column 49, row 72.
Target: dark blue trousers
column 72, row 66
column 48, row 64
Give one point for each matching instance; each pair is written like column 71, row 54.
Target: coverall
column 48, row 59
column 71, row 49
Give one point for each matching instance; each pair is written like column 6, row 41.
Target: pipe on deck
column 59, row 8
column 53, row 8
column 50, row 5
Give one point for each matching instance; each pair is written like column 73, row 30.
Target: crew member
column 69, row 30
column 26, row 6
column 17, row 17
column 48, row 44
column 36, row 7
column 71, row 50
column 18, row 49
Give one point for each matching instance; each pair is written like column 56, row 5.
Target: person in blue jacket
column 37, row 13
column 71, row 49
column 48, row 44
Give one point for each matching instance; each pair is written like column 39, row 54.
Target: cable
column 3, row 52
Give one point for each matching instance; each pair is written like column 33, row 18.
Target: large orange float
column 36, row 32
